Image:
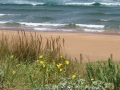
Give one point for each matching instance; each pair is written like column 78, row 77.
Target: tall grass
column 26, row 58
column 26, row 46
column 104, row 71
column 28, row 61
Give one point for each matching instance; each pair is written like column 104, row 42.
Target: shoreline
column 93, row 46
column 105, row 32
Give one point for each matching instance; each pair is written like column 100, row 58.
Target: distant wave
column 9, row 14
column 70, row 25
column 91, row 30
column 9, row 23
column 51, row 29
column 90, row 26
column 22, row 4
column 2, row 14
column 93, row 4
column 53, row 24
column 63, row 4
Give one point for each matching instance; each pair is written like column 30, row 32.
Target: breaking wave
column 63, row 4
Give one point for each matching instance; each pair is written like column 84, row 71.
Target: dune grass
column 29, row 63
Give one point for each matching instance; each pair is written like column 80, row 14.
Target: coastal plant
column 75, row 82
column 4, row 46
column 106, row 72
column 27, row 61
column 51, row 72
column 26, row 45
column 24, row 55
column 40, row 73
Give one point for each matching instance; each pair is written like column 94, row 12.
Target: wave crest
column 63, row 4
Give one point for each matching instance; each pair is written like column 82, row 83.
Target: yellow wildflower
column 61, row 69
column 61, row 56
column 67, row 62
column 13, row 72
column 59, row 65
column 11, row 56
column 92, row 79
column 43, row 64
column 41, row 56
column 73, row 76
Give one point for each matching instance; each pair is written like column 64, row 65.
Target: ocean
column 61, row 15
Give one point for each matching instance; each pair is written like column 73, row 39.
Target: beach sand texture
column 93, row 47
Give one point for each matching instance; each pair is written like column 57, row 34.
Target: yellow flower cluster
column 43, row 63
column 92, row 79
column 61, row 69
column 59, row 65
column 67, row 62
column 41, row 56
column 13, row 72
column 61, row 56
column 73, row 76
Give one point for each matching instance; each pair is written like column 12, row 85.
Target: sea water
column 61, row 15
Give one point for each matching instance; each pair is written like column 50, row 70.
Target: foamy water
column 61, row 15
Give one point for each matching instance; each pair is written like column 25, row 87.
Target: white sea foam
column 51, row 29
column 27, row 2
column 104, row 20
column 111, row 4
column 24, row 2
column 50, row 26
column 2, row 22
column 55, row 25
column 77, row 3
column 2, row 14
column 30, row 24
column 34, row 4
column 41, row 24
column 90, row 26
column 91, row 30
column 9, row 14
column 64, row 2
column 93, row 3
column 34, row 24
column 40, row 29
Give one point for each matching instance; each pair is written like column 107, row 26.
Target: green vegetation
column 26, row 63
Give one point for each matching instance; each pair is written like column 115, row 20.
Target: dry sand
column 92, row 46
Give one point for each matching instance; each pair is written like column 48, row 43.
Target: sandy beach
column 92, row 46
